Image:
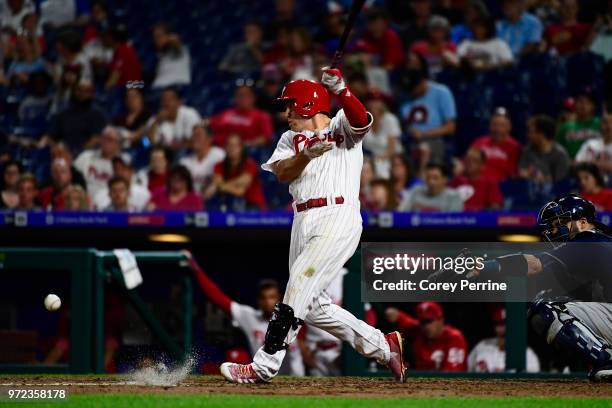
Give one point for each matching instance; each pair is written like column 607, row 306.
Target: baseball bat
column 350, row 22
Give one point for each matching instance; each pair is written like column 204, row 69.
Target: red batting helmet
column 306, row 98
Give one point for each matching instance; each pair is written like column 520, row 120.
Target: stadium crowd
column 477, row 104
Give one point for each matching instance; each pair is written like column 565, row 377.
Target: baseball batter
column 321, row 158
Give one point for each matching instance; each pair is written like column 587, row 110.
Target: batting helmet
column 564, row 210
column 306, row 98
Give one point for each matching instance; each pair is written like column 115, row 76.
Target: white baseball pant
column 322, row 241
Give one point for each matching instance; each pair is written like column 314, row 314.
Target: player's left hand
column 333, row 81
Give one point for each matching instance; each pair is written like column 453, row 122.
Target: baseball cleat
column 396, row 362
column 602, row 374
column 239, row 373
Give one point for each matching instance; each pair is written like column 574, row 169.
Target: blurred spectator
column 137, row 195
column 60, row 150
column 383, row 40
column 125, row 65
column 174, row 61
column 600, row 43
column 361, row 61
column 502, row 151
column 521, row 30
column 76, row 199
column 271, row 88
column 592, row 186
column 437, row 50
column 174, row 122
column 253, row 125
column 133, row 122
column 599, row 151
column 53, row 196
column 568, row 35
column 429, row 113
column 436, row 346
column 70, row 53
column 586, row 126
column 237, row 177
column 58, row 13
column 12, row 13
column 96, row 164
column 484, row 51
column 246, row 57
column 178, row 195
column 202, row 160
column 26, row 62
column 27, row 191
column 155, row 176
column 381, row 196
column 475, row 10
column 402, row 176
column 284, row 16
column 80, row 124
column 65, row 90
column 9, row 196
column 419, row 19
column 543, row 160
column 98, row 23
column 298, row 62
column 567, row 113
column 34, row 108
column 434, row 195
column 477, row 191
column 384, row 138
column 365, row 180
column 489, row 355
column 119, row 192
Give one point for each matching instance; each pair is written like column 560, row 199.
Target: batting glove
column 316, row 148
column 333, row 81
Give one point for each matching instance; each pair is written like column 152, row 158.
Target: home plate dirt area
column 336, row 386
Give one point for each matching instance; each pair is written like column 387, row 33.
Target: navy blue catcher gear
column 554, row 216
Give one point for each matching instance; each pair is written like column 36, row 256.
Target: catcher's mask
column 555, row 217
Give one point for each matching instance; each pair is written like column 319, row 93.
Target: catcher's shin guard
column 561, row 328
column 281, row 322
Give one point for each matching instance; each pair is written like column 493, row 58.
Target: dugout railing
column 89, row 270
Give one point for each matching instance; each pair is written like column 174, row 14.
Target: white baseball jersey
column 487, row 357
column 202, row 170
column 323, row 239
column 337, row 172
column 254, row 325
column 96, row 169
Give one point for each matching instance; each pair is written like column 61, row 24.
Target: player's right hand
column 316, row 149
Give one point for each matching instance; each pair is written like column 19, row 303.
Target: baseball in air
column 52, row 302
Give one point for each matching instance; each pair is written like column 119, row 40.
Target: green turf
column 250, row 401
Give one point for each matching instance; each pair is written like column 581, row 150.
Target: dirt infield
column 339, row 386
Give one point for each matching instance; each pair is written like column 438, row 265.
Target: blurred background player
column 489, row 355
column 436, row 346
column 253, row 322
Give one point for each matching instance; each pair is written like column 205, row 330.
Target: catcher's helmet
column 564, row 210
column 306, row 98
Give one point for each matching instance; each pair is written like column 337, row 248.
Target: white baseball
column 52, row 302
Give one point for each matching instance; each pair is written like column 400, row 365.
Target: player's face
column 296, row 122
column 432, row 328
column 267, row 298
